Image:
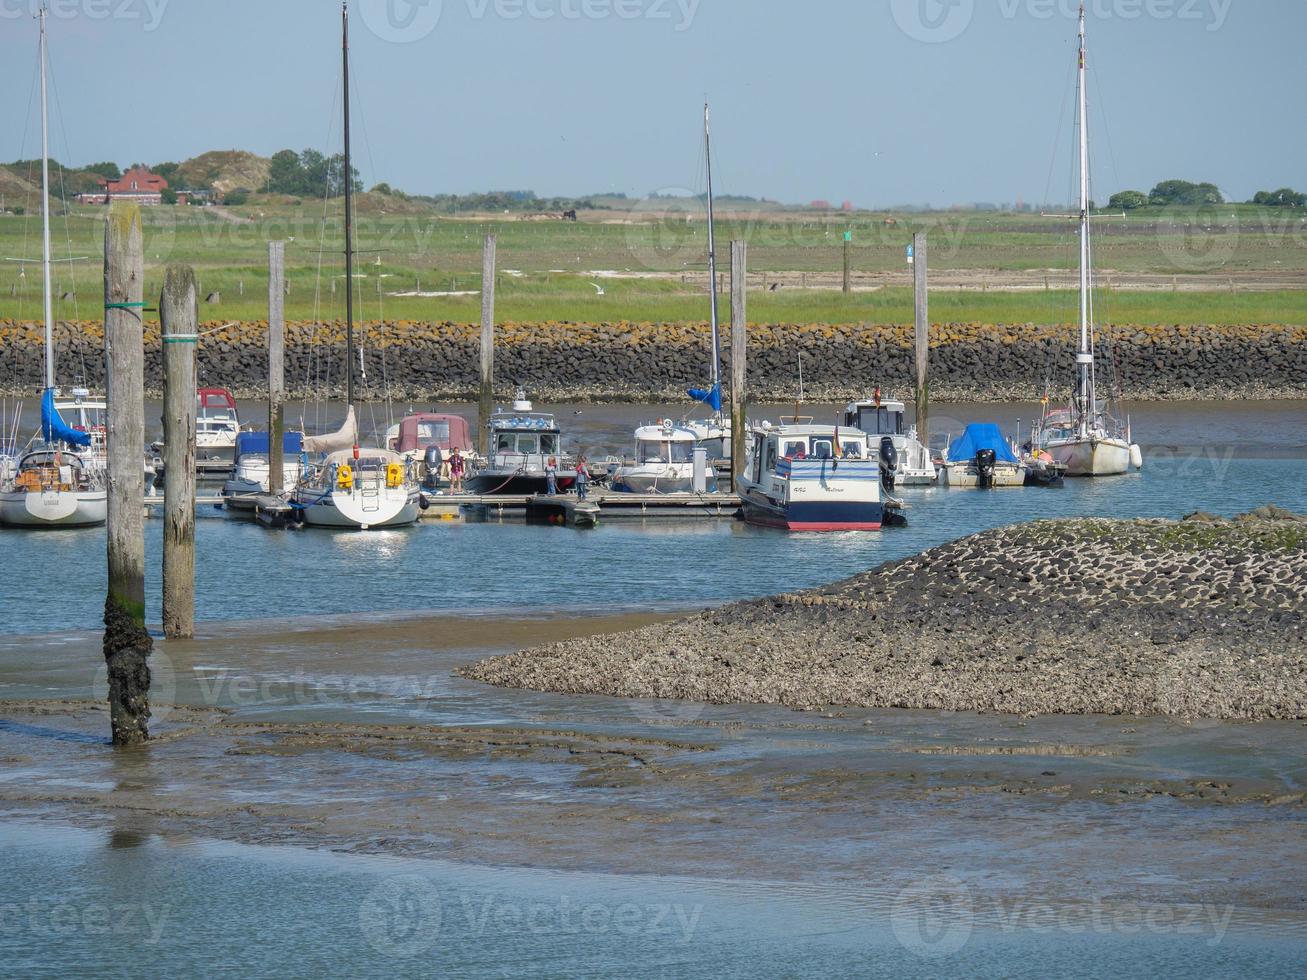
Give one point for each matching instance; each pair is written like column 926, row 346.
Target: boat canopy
column 346, row 437
column 978, row 436
column 55, row 429
column 258, row 443
column 424, row 430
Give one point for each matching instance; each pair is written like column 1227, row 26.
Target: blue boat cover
column 55, row 429
column 257, row 442
column 978, row 436
column 712, row 397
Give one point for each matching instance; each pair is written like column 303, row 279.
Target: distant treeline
column 1183, row 192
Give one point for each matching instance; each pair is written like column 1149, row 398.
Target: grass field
column 548, row 267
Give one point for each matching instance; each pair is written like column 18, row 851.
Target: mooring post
column 848, row 279
column 276, row 366
column 179, row 319
column 739, row 353
column 487, row 343
column 922, row 336
column 127, row 645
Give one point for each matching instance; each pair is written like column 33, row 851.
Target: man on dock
column 551, row 477
column 582, row 478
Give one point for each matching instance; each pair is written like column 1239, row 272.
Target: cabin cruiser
column 804, row 477
column 216, row 424
column 251, row 474
column 428, row 439
column 983, row 459
column 664, row 462
column 879, row 417
column 522, row 443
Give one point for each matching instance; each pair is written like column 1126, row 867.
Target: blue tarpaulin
column 712, row 396
column 55, row 429
column 978, row 436
column 258, row 443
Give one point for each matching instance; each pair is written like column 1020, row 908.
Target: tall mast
column 712, row 266
column 45, row 217
column 349, row 220
column 1085, row 357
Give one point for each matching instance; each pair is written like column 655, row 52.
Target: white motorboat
column 982, row 459
column 61, row 483
column 216, row 422
column 522, row 443
column 252, row 474
column 1086, row 439
column 882, row 418
column 804, row 477
column 664, row 462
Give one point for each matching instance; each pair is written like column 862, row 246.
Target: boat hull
column 815, row 516
column 964, row 476
column 655, row 481
column 489, row 483
column 60, row 508
column 362, row 511
column 1092, row 457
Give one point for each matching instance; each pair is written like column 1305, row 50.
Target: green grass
column 401, row 251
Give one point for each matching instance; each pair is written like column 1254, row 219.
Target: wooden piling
column 179, row 319
column 127, row 645
column 276, row 366
column 739, row 353
column 921, row 305
column 848, row 276
column 487, row 402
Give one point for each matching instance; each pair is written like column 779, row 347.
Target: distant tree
column 169, row 196
column 1285, row 197
column 285, row 173
column 236, row 197
column 1184, row 192
column 1128, row 201
column 383, row 189
column 105, row 169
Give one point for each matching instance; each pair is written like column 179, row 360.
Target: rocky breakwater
column 1201, row 618
column 657, row 361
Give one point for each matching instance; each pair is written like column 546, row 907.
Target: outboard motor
column 433, row 460
column 985, row 462
column 889, row 463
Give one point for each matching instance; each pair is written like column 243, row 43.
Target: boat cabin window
column 429, row 432
column 851, row 450
column 823, row 449
column 770, row 462
column 528, row 444
column 661, row 451
column 549, row 443
column 795, row 448
column 880, row 421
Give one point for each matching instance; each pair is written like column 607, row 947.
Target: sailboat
column 1084, row 437
column 354, row 487
column 54, row 484
column 715, row 431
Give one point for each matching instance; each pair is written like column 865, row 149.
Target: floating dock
column 604, row 504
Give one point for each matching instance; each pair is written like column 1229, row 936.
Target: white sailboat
column 354, row 487
column 1085, row 438
column 54, row 485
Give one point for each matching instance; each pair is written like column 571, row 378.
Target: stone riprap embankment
column 562, row 362
column 1201, row 618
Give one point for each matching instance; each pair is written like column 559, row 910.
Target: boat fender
column 394, row 476
column 1136, row 456
column 345, row 477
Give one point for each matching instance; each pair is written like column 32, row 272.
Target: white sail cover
column 346, row 437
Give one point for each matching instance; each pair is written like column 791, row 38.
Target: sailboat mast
column 1085, row 356
column 48, row 294
column 349, row 219
column 712, row 263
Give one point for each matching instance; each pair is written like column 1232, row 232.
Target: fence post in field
column 179, row 326
column 487, row 400
column 127, row 645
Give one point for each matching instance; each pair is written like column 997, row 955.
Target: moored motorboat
column 804, row 477
column 982, row 459
column 880, row 417
column 664, row 462
column 251, row 476
column 428, row 440
column 522, row 443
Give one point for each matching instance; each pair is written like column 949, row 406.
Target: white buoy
column 1136, row 456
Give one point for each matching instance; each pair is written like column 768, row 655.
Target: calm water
column 56, row 580
column 128, row 904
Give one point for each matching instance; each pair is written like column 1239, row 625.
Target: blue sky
column 878, row 101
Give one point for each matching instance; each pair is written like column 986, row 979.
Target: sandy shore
column 1198, row 619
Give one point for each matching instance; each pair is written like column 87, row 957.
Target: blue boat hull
column 816, row 516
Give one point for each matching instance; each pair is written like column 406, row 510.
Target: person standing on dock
column 582, row 477
column 551, row 477
column 456, row 467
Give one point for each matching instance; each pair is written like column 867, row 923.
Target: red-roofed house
column 137, row 184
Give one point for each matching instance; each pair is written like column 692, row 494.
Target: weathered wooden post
column 487, row 403
column 922, row 336
column 127, row 645
column 848, row 278
column 179, row 318
column 276, row 366
column 739, row 353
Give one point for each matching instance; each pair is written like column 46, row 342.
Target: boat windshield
column 526, row 443
column 433, row 432
column 662, row 451
column 880, row 421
